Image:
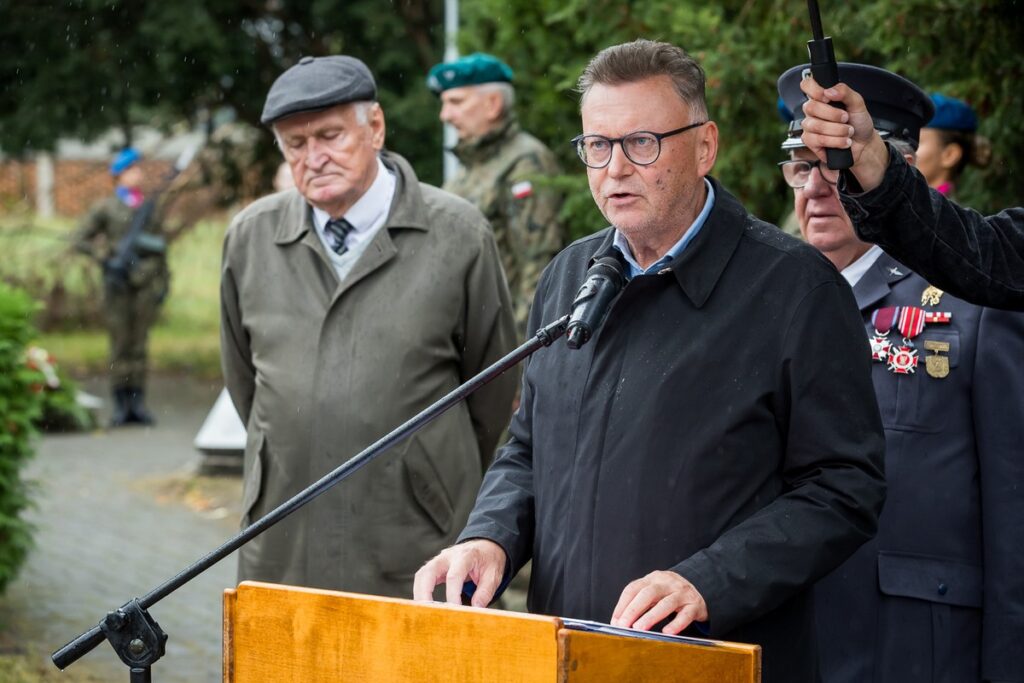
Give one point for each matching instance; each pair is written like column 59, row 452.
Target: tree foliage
column 961, row 47
column 80, row 67
column 77, row 67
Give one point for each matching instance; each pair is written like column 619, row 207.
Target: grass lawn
column 186, row 338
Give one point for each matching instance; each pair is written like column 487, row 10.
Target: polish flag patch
column 522, row 190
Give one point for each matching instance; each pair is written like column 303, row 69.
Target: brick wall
column 77, row 184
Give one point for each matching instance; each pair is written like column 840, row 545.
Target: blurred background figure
column 950, row 143
column 283, row 179
column 945, row 567
column 500, row 167
column 123, row 233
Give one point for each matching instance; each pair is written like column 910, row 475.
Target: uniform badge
column 903, row 360
column 936, row 364
column 522, row 190
column 931, row 296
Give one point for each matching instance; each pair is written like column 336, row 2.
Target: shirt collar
column 855, row 271
column 620, row 243
column 367, row 210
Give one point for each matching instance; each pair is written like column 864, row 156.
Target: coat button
column 943, row 589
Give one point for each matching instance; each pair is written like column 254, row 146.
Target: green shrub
column 21, row 405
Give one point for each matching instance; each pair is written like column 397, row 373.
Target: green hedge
column 21, row 405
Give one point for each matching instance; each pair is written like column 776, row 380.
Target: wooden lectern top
column 286, row 634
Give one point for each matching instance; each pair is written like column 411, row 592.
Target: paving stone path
column 105, row 535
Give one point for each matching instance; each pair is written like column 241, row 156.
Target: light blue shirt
column 620, row 243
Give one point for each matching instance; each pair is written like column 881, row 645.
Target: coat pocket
column 949, row 582
column 252, row 476
column 427, row 486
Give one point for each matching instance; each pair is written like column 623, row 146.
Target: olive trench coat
column 319, row 369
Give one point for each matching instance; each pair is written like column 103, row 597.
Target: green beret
column 474, row 69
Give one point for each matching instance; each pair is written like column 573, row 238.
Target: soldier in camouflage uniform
column 131, row 302
column 500, row 168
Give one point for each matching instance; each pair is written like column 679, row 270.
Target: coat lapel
column 877, row 282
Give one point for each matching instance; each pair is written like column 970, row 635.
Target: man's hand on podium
column 652, row 599
column 480, row 561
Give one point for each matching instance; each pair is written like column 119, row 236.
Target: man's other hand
column 480, row 561
column 825, row 126
column 650, row 600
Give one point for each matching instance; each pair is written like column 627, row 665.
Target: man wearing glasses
column 716, row 447
column 945, row 566
column 349, row 304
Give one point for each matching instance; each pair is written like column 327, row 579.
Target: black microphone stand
column 135, row 635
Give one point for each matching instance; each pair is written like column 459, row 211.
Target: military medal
column 931, row 295
column 936, row 364
column 910, row 322
column 882, row 320
column 933, row 317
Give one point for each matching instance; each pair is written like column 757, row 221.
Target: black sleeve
column 976, row 258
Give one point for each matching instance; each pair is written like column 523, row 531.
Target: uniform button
column 306, row 60
column 943, row 589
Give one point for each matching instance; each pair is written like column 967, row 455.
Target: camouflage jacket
column 102, row 228
column 498, row 175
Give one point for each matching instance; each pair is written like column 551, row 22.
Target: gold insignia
column 936, row 364
column 931, row 296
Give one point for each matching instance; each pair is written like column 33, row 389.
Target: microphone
column 604, row 281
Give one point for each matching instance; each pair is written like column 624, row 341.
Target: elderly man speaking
column 349, row 304
column 716, row 447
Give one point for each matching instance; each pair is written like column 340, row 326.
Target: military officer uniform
column 131, row 303
column 500, row 175
column 938, row 594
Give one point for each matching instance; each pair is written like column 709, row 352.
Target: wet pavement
column 117, row 513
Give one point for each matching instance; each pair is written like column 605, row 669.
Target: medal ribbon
column 884, row 318
column 911, row 321
column 931, row 317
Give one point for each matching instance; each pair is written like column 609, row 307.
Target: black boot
column 120, row 415
column 137, row 407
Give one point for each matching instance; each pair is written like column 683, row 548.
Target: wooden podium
column 276, row 634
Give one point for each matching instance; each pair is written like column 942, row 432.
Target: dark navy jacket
column 720, row 424
column 938, row 595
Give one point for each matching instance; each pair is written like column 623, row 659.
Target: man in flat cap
column 500, row 167
column 936, row 595
column 349, row 304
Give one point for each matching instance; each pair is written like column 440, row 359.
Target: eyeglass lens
column 798, row 172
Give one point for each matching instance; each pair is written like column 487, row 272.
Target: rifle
column 118, row 268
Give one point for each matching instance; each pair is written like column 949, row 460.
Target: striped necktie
column 336, row 230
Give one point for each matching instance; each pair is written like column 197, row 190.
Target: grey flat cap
column 318, row 83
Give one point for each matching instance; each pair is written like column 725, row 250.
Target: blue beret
column 898, row 107
column 475, row 69
column 318, row 83
column 123, row 160
column 952, row 114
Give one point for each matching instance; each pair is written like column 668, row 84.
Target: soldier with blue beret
column 500, row 167
column 134, row 294
column 937, row 594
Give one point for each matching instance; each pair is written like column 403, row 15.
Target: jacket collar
column 699, row 268
column 408, row 210
column 470, row 152
column 877, row 282
column 713, row 247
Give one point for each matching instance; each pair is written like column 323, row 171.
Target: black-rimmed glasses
column 797, row 172
column 642, row 147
